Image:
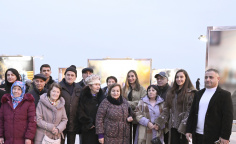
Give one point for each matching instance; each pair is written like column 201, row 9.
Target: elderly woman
column 51, row 115
column 149, row 108
column 17, row 116
column 112, row 121
column 90, row 99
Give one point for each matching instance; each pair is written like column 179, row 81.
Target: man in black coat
column 85, row 73
column 211, row 115
column 71, row 93
column 38, row 84
column 163, row 86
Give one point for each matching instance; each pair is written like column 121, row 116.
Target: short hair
column 112, row 86
column 44, row 65
column 214, row 70
column 111, row 77
column 51, row 87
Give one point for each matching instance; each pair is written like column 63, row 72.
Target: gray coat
column 48, row 117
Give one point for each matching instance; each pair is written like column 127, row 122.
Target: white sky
column 70, row 32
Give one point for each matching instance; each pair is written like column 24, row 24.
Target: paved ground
column 232, row 139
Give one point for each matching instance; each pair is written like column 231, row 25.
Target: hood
column 44, row 100
column 159, row 100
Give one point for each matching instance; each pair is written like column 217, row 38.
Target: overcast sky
column 70, row 32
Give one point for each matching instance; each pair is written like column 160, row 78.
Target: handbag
column 47, row 140
column 156, row 140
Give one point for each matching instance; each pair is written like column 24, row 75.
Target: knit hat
column 71, row 68
column 92, row 79
column 87, row 69
column 40, row 76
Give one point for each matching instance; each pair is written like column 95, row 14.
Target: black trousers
column 166, row 137
column 70, row 137
column 177, row 138
column 197, row 138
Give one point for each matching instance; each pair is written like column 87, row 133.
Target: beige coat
column 136, row 96
column 48, row 117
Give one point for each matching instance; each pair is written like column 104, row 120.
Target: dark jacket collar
column 39, row 92
column 86, row 94
column 63, row 85
column 118, row 101
column 163, row 89
column 214, row 97
column 50, row 80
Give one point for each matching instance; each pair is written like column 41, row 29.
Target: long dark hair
column 186, row 86
column 7, row 84
column 127, row 84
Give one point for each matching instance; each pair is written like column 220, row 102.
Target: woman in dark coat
column 17, row 116
column 90, row 99
column 11, row 76
column 112, row 121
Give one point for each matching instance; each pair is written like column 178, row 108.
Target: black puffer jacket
column 36, row 93
column 71, row 105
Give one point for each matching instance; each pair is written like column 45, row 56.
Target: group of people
column 45, row 111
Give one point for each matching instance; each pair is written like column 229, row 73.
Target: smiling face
column 152, row 93
column 95, row 88
column 70, row 77
column 211, row 79
column 39, row 83
column 55, row 93
column 131, row 78
column 17, row 91
column 115, row 92
column 180, row 79
column 11, row 77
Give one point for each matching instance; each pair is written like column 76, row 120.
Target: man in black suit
column 211, row 115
